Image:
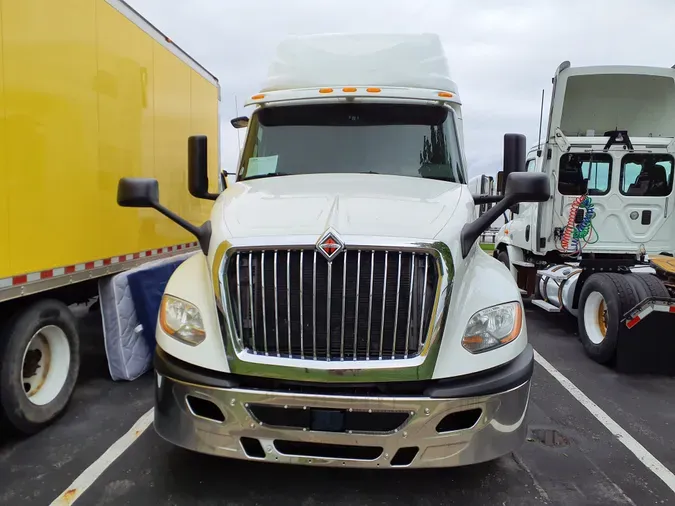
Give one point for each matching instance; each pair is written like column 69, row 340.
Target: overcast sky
column 502, row 53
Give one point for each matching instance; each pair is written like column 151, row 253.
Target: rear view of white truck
column 601, row 249
column 341, row 313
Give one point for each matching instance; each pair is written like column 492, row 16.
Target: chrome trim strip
column 276, row 303
column 409, row 368
column 241, row 314
column 302, row 303
column 398, row 297
column 344, row 300
column 250, row 294
column 412, row 284
column 288, row 299
column 424, row 297
column 356, row 318
column 264, row 312
column 370, row 302
column 384, row 303
column 328, row 301
column 314, row 307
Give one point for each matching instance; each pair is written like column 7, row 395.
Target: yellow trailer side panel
column 172, row 128
column 4, row 188
column 126, row 123
column 91, row 97
column 49, row 59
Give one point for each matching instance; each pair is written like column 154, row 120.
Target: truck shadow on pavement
column 191, row 475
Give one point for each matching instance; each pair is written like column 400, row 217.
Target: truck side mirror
column 239, row 122
column 137, row 192
column 144, row 192
column 198, row 176
column 514, row 159
column 519, row 186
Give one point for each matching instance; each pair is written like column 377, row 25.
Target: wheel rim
column 45, row 366
column 596, row 318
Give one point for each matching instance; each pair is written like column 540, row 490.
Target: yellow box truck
column 90, row 91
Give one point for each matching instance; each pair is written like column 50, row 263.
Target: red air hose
column 567, row 234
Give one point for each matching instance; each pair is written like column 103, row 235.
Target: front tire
column 503, row 257
column 604, row 298
column 39, row 365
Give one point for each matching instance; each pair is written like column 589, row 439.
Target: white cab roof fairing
column 392, row 60
column 597, row 99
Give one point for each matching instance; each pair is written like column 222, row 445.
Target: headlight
column 493, row 327
column 181, row 320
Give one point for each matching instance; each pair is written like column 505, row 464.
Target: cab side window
column 531, row 165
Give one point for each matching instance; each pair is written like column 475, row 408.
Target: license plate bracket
column 327, row 420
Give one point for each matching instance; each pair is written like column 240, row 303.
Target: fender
column 191, row 281
column 485, row 283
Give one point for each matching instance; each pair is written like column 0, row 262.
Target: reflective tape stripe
column 70, row 269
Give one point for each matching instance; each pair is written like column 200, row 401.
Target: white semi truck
column 601, row 248
column 341, row 312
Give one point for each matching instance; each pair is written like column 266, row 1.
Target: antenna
column 236, row 112
column 541, row 119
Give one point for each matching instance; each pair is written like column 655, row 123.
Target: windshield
column 398, row 139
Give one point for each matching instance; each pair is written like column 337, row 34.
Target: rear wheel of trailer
column 39, row 363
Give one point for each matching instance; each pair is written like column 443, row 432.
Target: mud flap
column 646, row 340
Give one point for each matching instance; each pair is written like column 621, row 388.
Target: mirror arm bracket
column 203, row 233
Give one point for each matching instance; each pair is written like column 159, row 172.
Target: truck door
column 630, row 196
column 646, row 188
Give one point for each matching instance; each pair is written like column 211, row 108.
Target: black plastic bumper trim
column 171, row 367
column 499, row 379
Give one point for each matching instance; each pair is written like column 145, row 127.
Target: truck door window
column 395, row 139
column 647, row 175
column 582, row 173
column 531, row 165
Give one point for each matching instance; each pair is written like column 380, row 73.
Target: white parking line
column 89, row 476
column 626, row 439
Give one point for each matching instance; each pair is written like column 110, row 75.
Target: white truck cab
column 341, row 313
column 608, row 229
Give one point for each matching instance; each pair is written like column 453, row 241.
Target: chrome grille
column 363, row 305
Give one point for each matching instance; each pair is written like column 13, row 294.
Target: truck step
column 520, row 263
column 550, row 308
column 554, row 275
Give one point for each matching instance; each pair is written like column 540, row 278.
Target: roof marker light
column 373, row 90
column 349, row 89
column 258, row 97
column 326, row 90
column 445, row 94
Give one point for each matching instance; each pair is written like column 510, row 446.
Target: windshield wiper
column 269, row 174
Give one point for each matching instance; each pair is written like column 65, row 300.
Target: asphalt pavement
column 570, row 457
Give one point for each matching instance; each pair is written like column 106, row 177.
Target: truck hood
column 641, row 100
column 352, row 204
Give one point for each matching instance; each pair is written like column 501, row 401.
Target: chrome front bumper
column 180, row 419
